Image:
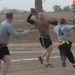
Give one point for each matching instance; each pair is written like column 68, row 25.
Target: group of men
column 42, row 24
column 62, row 30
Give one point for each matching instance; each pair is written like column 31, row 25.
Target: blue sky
column 27, row 4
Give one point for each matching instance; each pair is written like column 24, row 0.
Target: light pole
column 73, row 10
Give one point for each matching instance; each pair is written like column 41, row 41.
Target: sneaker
column 49, row 66
column 64, row 64
column 40, row 59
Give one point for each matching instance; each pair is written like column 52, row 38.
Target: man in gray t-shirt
column 6, row 30
column 62, row 32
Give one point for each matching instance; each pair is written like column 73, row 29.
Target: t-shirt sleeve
column 13, row 32
column 55, row 29
column 69, row 27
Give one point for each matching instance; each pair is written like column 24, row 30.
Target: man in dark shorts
column 65, row 44
column 42, row 25
column 6, row 30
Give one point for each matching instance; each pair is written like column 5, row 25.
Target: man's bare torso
column 43, row 27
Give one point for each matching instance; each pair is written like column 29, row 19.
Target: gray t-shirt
column 62, row 31
column 7, row 29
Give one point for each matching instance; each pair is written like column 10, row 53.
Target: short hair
column 9, row 15
column 41, row 13
column 62, row 21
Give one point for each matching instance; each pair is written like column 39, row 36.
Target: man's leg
column 47, row 44
column 0, row 64
column 6, row 60
column 63, row 57
column 48, row 53
column 41, row 57
column 71, row 57
column 44, row 54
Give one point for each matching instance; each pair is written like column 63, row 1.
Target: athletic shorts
column 3, row 51
column 45, row 41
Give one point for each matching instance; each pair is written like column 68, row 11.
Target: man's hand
column 28, row 30
column 33, row 11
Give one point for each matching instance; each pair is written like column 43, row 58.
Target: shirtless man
column 42, row 25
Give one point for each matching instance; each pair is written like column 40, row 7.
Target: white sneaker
column 49, row 66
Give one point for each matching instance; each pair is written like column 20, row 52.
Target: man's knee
column 7, row 60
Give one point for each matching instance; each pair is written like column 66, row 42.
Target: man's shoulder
column 6, row 24
column 56, row 28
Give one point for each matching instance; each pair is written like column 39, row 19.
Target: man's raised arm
column 29, row 20
column 33, row 12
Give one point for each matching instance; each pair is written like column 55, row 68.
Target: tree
column 38, row 6
column 57, row 8
column 67, row 8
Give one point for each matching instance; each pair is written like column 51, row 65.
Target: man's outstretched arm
column 53, row 22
